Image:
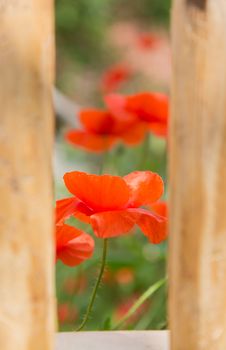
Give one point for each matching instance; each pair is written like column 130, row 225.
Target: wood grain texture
column 198, row 178
column 27, row 299
column 200, row 4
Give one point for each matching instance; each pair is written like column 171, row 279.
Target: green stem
column 147, row 294
column 144, row 152
column 104, row 161
column 97, row 284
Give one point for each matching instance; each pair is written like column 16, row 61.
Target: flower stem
column 104, row 162
column 145, row 153
column 96, row 286
column 147, row 294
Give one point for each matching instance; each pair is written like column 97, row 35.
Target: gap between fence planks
column 198, row 176
column 27, row 316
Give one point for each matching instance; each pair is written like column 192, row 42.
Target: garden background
column 92, row 37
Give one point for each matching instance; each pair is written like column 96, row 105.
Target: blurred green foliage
column 150, row 11
column 80, row 26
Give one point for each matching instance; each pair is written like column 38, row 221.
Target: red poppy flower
column 72, row 245
column 150, row 109
column 147, row 41
column 115, row 76
column 113, row 205
column 102, row 129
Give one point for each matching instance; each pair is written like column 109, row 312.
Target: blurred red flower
column 147, row 41
column 125, row 275
column 112, row 204
column 67, row 313
column 69, row 286
column 102, row 129
column 74, row 285
column 115, row 76
column 125, row 306
column 72, row 245
column 150, row 109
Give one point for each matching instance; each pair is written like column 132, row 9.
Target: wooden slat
column 27, row 317
column 139, row 340
column 198, row 176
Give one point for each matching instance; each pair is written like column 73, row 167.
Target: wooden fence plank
column 27, row 317
column 198, row 176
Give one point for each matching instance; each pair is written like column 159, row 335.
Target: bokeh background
column 92, row 37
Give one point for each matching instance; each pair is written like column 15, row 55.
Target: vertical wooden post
column 198, row 176
column 26, row 217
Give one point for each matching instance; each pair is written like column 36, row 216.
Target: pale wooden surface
column 136, row 340
column 198, row 176
column 26, row 216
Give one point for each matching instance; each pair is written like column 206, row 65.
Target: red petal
column 96, row 121
column 82, row 217
column 160, row 208
column 98, row 192
column 89, row 141
column 112, row 223
column 115, row 76
column 115, row 102
column 146, row 187
column 72, row 245
column 135, row 134
column 149, row 107
column 117, row 223
column 67, row 207
column 152, row 225
column 158, row 129
column 147, row 41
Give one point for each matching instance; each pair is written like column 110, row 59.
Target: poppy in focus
column 101, row 130
column 150, row 109
column 73, row 246
column 115, row 76
column 113, row 205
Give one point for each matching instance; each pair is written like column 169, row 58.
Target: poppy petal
column 82, row 217
column 134, row 134
column 72, row 245
column 98, row 192
column 67, row 207
column 116, row 223
column 112, row 223
column 158, row 129
column 115, row 102
column 115, row 76
column 152, row 225
column 160, row 208
column 149, row 107
column 89, row 141
column 147, row 187
column 96, row 121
